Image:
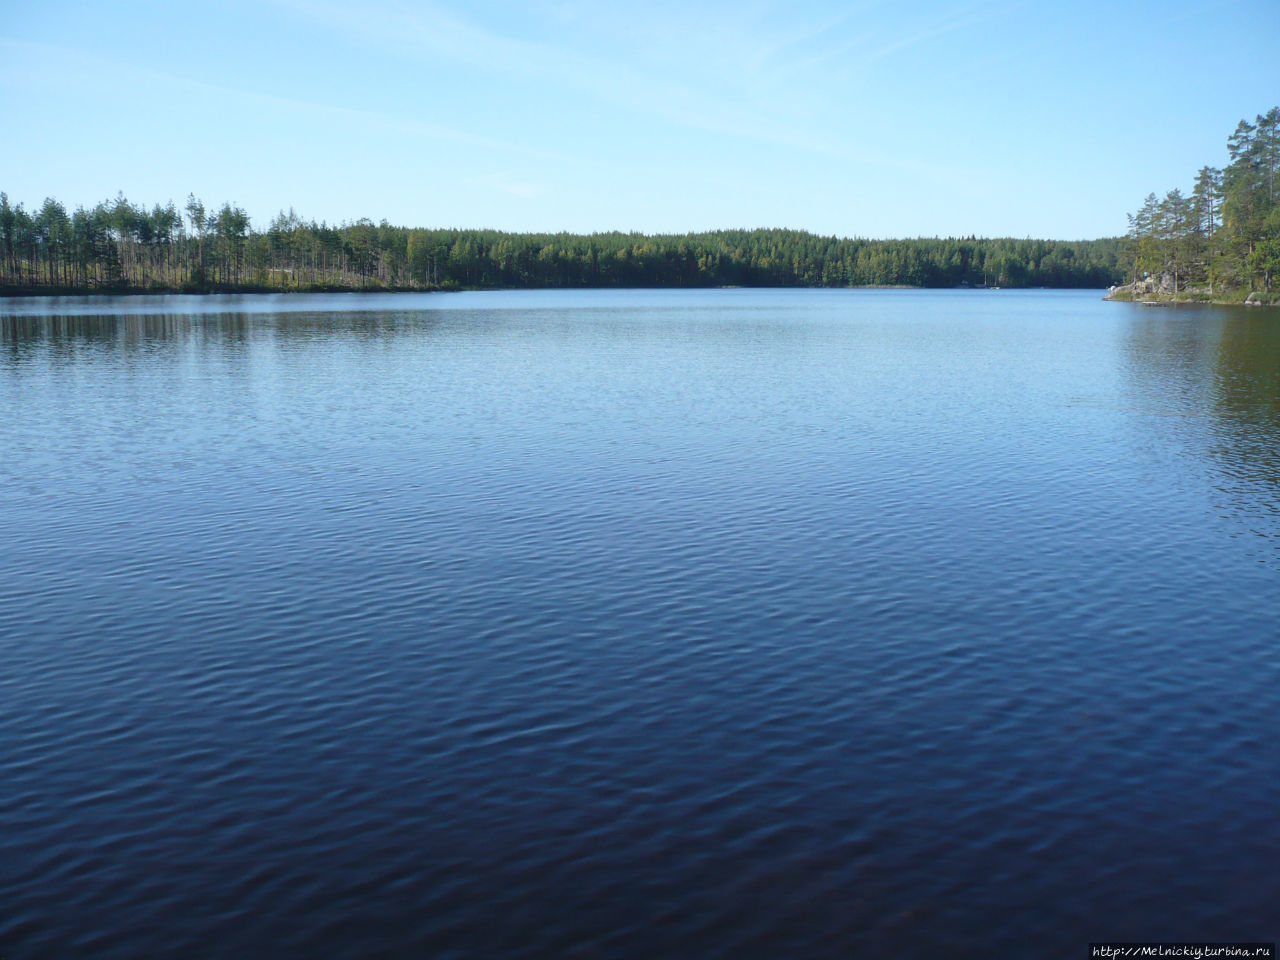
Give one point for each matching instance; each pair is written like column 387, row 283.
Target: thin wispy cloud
column 84, row 71
column 865, row 45
column 961, row 17
column 719, row 55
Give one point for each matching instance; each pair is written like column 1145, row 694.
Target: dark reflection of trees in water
column 125, row 332
column 70, row 336
column 1207, row 383
column 1247, row 395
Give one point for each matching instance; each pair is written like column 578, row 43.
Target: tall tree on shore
column 1144, row 233
column 199, row 224
column 8, row 226
column 1206, row 199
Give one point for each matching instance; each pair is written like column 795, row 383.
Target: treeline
column 1226, row 233
column 118, row 245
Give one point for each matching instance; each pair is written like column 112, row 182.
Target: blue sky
column 880, row 118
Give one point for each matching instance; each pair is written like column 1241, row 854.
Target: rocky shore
column 1161, row 289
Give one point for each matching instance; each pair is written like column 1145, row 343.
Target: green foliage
column 1227, row 232
column 120, row 245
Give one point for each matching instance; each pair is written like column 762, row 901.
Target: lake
column 777, row 623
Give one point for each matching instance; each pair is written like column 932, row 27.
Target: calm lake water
column 637, row 624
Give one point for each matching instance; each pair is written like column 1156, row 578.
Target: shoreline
column 15, row 293
column 1154, row 298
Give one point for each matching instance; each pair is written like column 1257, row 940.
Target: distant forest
column 120, row 246
column 1226, row 234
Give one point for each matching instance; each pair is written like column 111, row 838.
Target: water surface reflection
column 1207, row 385
column 636, row 624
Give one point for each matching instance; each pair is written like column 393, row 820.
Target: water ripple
column 723, row 623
